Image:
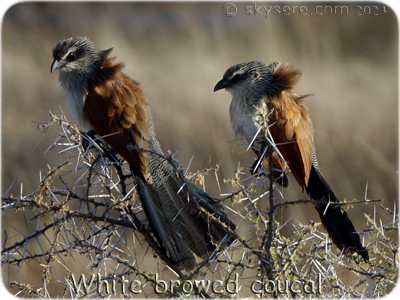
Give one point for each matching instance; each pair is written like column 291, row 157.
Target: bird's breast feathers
column 75, row 103
column 248, row 119
column 76, row 94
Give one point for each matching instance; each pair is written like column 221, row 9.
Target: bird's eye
column 71, row 56
column 237, row 77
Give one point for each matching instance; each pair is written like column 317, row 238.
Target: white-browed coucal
column 104, row 100
column 261, row 90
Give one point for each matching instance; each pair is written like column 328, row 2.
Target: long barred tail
column 336, row 222
column 184, row 219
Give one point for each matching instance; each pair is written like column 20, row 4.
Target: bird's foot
column 255, row 167
column 87, row 139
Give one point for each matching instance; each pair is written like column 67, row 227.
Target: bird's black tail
column 336, row 222
column 160, row 221
column 185, row 220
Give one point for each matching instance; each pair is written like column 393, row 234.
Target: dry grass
column 178, row 52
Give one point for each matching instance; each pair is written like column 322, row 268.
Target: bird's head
column 247, row 79
column 77, row 54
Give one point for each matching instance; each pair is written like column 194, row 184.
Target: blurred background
column 179, row 51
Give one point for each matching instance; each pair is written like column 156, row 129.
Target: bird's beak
column 223, row 83
column 55, row 65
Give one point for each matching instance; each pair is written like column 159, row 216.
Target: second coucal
column 260, row 90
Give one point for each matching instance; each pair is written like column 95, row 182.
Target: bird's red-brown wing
column 291, row 129
column 116, row 104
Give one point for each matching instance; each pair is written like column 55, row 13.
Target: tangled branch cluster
column 87, row 210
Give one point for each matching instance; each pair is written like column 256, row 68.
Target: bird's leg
column 262, row 150
column 255, row 167
column 277, row 174
column 86, row 137
column 89, row 137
